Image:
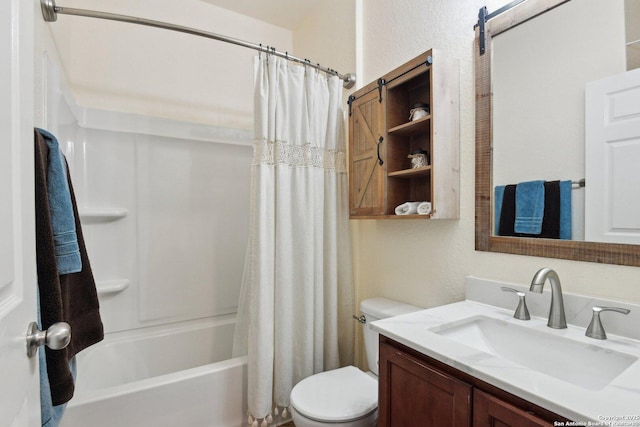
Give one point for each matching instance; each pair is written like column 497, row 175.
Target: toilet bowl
column 346, row 397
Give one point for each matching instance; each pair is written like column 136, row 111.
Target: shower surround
column 165, row 208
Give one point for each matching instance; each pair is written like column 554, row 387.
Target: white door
column 19, row 397
column 612, row 159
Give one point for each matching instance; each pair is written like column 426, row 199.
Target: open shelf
column 410, row 173
column 395, row 216
column 412, row 128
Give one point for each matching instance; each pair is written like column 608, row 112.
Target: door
column 19, row 397
column 366, row 174
column 612, row 156
column 412, row 394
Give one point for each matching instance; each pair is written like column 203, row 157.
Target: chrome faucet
column 557, row 317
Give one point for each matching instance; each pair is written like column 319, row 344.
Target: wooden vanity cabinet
column 416, row 390
column 382, row 136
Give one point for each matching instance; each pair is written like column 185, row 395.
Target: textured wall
column 327, row 36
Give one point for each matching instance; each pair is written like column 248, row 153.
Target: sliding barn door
column 366, row 175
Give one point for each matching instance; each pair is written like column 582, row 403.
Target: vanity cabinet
column 416, row 390
column 382, row 136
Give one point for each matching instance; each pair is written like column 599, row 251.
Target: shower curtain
column 294, row 315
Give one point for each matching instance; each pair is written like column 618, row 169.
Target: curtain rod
column 50, row 13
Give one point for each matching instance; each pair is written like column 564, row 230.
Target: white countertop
column 617, row 404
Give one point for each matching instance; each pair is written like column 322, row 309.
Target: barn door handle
column 380, row 161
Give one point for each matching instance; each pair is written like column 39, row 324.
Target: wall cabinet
column 382, row 136
column 416, row 390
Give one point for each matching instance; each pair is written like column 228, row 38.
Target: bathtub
column 163, row 376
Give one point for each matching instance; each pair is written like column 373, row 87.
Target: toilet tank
column 376, row 309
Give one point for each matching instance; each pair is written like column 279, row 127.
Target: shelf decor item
column 419, row 111
column 419, row 159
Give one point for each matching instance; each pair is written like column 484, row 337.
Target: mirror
column 493, row 140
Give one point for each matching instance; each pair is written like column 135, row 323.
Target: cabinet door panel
column 413, row 394
column 489, row 411
column 367, row 177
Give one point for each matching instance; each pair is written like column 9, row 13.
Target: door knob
column 56, row 337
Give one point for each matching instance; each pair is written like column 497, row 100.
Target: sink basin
column 586, row 365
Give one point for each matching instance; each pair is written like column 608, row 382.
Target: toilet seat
column 338, row 395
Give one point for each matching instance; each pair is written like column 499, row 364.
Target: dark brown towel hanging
column 70, row 298
column 508, row 211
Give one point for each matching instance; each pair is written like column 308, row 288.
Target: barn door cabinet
column 382, row 136
column 416, row 390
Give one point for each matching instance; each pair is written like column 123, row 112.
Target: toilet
column 346, row 397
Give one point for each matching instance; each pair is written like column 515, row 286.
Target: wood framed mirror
column 485, row 239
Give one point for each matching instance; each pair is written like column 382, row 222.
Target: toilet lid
column 339, row 395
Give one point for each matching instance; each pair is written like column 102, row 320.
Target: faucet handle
column 522, row 313
column 595, row 328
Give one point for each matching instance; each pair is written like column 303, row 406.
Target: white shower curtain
column 294, row 316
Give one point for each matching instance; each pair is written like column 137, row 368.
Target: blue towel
column 62, row 218
column 529, row 207
column 565, row 209
column 497, row 211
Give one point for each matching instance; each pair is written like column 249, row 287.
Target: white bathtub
column 163, row 376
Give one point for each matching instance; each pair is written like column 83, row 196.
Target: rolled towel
column 424, row 208
column 408, row 208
